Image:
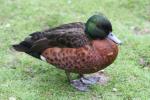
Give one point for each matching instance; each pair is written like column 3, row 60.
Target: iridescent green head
column 99, row 27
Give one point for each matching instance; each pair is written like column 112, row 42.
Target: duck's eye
column 111, row 34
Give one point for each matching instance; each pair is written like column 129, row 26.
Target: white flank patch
column 43, row 58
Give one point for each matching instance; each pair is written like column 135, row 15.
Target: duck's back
column 67, row 35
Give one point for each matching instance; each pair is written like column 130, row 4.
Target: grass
column 25, row 78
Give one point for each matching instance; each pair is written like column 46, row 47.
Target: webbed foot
column 79, row 85
column 83, row 83
column 90, row 80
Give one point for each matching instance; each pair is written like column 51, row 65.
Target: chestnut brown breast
column 87, row 59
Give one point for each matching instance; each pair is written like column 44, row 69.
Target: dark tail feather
column 22, row 47
column 33, row 45
column 25, row 47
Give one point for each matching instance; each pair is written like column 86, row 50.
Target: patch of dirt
column 104, row 78
column 29, row 71
column 140, row 31
column 144, row 62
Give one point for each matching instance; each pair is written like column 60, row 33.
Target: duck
column 78, row 47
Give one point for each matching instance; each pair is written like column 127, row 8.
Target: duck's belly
column 79, row 60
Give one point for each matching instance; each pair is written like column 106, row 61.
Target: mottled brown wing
column 68, row 35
